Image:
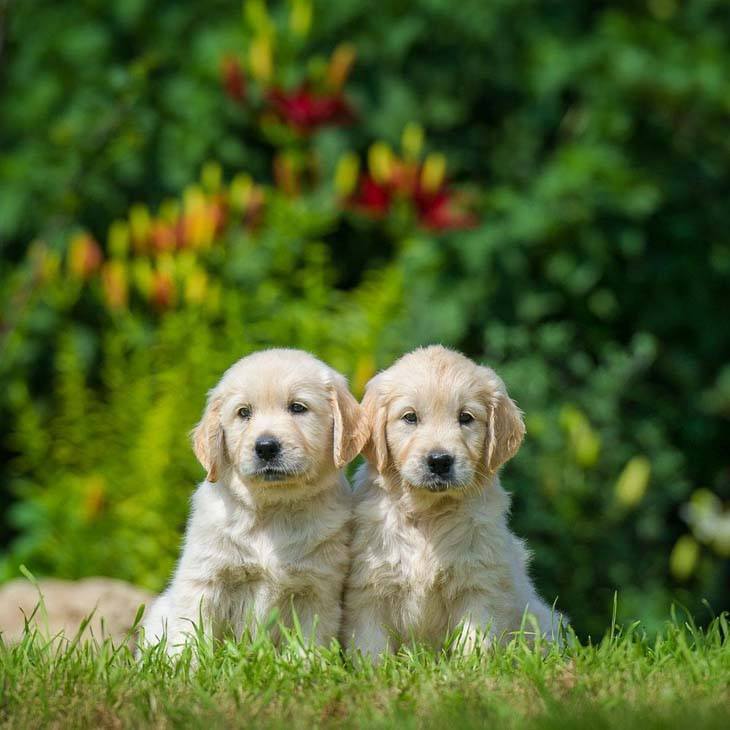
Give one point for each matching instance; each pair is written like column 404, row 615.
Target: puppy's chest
column 418, row 566
column 427, row 561
column 257, row 557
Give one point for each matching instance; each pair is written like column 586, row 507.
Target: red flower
column 305, row 111
column 372, row 198
column 442, row 210
column 234, row 80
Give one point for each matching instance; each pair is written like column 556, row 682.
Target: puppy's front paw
column 472, row 637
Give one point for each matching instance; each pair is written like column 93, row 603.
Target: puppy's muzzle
column 267, row 448
column 439, row 471
column 440, row 463
column 271, row 462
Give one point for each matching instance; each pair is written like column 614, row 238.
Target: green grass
column 679, row 678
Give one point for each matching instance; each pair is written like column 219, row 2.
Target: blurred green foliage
column 589, row 141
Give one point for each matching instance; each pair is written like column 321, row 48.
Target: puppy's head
column 440, row 422
column 279, row 418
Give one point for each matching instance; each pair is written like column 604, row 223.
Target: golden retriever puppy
column 431, row 547
column 268, row 528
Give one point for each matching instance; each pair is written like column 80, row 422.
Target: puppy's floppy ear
column 208, row 438
column 350, row 424
column 376, row 447
column 505, row 427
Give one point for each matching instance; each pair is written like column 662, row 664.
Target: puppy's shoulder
column 212, row 507
column 207, row 502
column 491, row 505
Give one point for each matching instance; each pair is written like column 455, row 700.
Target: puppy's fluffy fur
column 431, row 547
column 267, row 532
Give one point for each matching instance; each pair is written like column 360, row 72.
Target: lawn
column 680, row 678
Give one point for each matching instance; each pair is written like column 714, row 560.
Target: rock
column 113, row 603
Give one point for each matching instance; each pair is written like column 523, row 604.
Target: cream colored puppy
column 431, row 547
column 268, row 528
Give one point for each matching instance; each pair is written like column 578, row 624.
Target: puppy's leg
column 176, row 614
column 365, row 630
column 154, row 626
column 549, row 621
column 319, row 616
column 528, row 602
column 475, row 621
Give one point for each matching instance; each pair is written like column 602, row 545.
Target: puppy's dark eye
column 465, row 417
column 410, row 417
column 297, row 407
column 244, row 412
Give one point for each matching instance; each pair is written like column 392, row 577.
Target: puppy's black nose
column 267, row 447
column 439, row 462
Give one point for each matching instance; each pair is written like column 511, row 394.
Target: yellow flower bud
column 684, row 556
column 211, row 177
column 433, row 173
column 257, row 15
column 142, row 276
column 380, row 162
column 412, row 141
column 260, row 59
column 196, row 286
column 139, row 222
column 632, row 482
column 118, row 239
column 584, row 443
column 300, row 17
column 240, row 192
column 169, row 210
column 346, row 174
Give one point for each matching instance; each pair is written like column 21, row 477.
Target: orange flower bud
column 115, row 284
column 163, row 237
column 285, row 174
column 404, row 177
column 234, row 79
column 218, row 214
column 95, row 496
column 256, row 202
column 163, row 294
column 84, row 256
column 341, row 62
